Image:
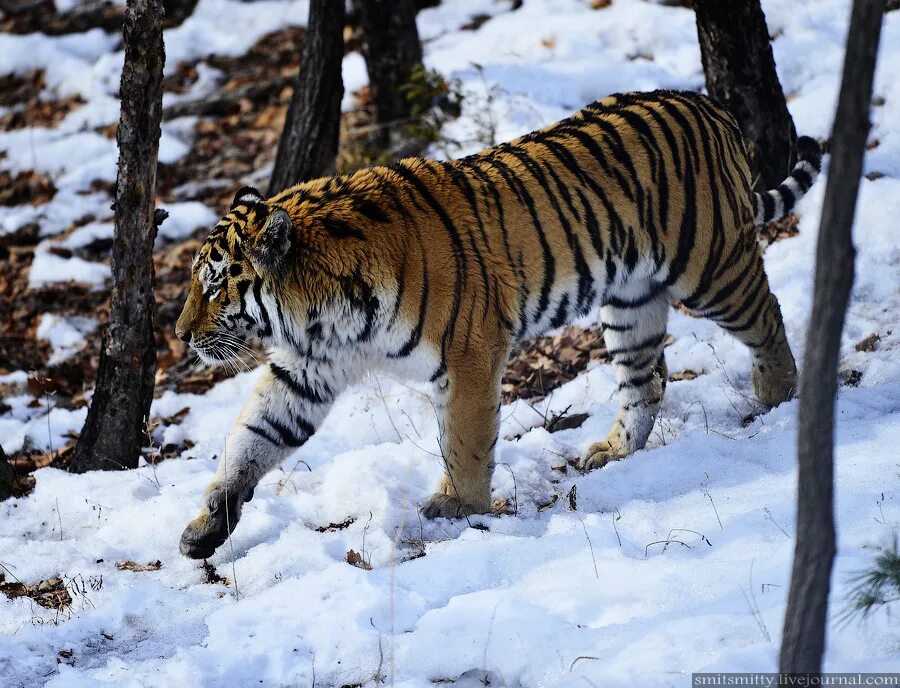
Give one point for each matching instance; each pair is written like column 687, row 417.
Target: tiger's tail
column 776, row 203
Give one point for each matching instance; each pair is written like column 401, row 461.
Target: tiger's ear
column 246, row 196
column 272, row 244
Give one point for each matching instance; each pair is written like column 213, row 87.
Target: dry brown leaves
column 785, row 228
column 134, row 566
column 243, row 139
column 212, row 576
column 541, row 365
column 50, row 593
column 868, row 344
column 356, row 559
column 28, row 187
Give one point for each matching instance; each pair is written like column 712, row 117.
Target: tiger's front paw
column 598, row 455
column 211, row 528
column 202, row 536
column 444, row 506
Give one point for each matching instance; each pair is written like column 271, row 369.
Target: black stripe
column 803, row 178
column 256, row 430
column 301, row 389
column 370, row 210
column 288, row 436
column 562, row 313
column 639, row 381
column 787, row 198
column 596, row 151
column 615, row 302
column 768, row 206
column 653, row 341
column 460, row 179
column 584, row 274
column 257, row 293
column 615, row 327
column 341, row 229
column 620, row 153
column 401, row 286
column 458, row 252
column 416, row 335
column 687, row 233
column 516, row 185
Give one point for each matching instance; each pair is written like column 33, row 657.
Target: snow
column 48, row 268
column 548, row 596
column 185, row 218
column 66, row 335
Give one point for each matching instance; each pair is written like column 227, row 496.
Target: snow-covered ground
column 549, row 595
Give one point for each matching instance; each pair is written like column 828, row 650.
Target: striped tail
column 775, row 204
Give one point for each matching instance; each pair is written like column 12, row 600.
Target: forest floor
column 675, row 560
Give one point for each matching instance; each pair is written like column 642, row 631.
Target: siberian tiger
column 432, row 270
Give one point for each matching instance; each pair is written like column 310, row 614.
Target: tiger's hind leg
column 634, row 335
column 743, row 306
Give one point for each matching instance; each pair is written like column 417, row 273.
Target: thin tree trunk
column 309, row 141
column 804, row 624
column 113, row 433
column 392, row 50
column 7, row 477
column 740, row 74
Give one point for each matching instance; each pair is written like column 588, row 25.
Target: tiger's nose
column 182, row 335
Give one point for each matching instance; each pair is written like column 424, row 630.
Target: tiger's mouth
column 223, row 349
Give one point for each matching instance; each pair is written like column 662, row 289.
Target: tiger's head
column 297, row 262
column 246, row 252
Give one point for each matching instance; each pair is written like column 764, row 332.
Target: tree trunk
column 113, row 433
column 740, row 74
column 392, row 49
column 7, row 477
column 804, row 624
column 309, row 141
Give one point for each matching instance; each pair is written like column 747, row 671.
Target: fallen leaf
column 134, row 566
column 354, row 558
column 868, row 344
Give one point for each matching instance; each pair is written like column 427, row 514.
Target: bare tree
column 392, row 50
column 113, row 433
column 309, row 141
column 804, row 623
column 740, row 74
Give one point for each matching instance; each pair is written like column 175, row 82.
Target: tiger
column 432, row 270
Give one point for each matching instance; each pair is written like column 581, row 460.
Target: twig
column 386, row 410
column 515, row 489
column 665, row 543
column 580, row 657
column 772, row 519
column 591, row 546
column 705, row 490
column 237, row 594
column 616, row 516
column 754, row 608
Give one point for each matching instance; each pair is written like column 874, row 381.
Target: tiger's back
column 432, row 270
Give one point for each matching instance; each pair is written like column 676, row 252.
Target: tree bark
column 740, row 74
column 309, row 141
column 7, row 477
column 392, row 49
column 804, row 624
column 114, row 431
